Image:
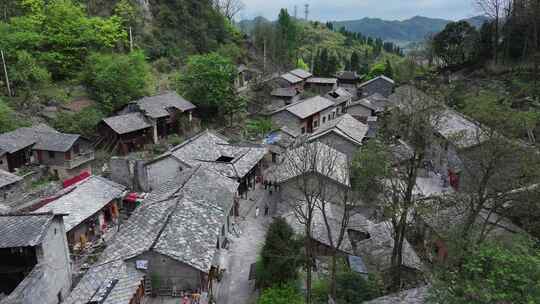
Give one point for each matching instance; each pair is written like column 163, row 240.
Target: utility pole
column 306, row 11
column 5, row 72
column 264, row 55
column 296, row 12
column 130, row 40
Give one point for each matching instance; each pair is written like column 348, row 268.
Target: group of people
column 270, row 186
column 193, row 298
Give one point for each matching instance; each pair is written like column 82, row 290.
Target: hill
column 410, row 30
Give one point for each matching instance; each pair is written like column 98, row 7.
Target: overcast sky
column 326, row 10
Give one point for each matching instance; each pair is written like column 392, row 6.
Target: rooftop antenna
column 306, row 11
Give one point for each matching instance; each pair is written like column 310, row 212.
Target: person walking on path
column 266, row 210
column 257, row 211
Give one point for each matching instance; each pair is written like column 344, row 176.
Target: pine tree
column 355, row 62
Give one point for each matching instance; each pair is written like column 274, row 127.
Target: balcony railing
column 80, row 159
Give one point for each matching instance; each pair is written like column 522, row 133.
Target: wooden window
column 67, row 155
column 51, row 154
column 303, row 130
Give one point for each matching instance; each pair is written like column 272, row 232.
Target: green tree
column 280, row 255
column 284, row 294
column 287, row 37
column 8, row 121
column 27, row 75
column 355, row 62
column 492, row 273
column 208, row 80
column 84, row 122
column 377, row 69
column 456, row 44
column 116, row 79
column 388, row 70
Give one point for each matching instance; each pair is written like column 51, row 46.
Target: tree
column 27, row 75
column 492, row 273
column 84, row 122
column 494, row 9
column 388, row 70
column 229, row 8
column 286, row 39
column 280, row 256
column 116, row 79
column 355, row 62
column 208, row 80
column 456, row 44
column 8, row 121
column 380, row 178
column 285, row 294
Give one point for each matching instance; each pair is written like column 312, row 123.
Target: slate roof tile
column 25, row 230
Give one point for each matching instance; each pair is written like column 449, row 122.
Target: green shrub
column 281, row 294
column 84, row 122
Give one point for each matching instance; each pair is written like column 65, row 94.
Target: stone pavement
column 235, row 287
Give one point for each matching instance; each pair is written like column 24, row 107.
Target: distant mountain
column 410, row 30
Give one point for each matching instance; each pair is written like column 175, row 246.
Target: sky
column 337, row 10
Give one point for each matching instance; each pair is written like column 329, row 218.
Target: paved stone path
column 235, row 287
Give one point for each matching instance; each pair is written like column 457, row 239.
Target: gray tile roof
column 301, row 73
column 382, row 77
column 7, row 178
column 129, row 280
column 460, row 130
column 292, row 79
column 23, row 230
column 307, row 107
column 127, row 123
column 375, row 102
column 156, row 106
column 410, row 296
column 44, row 137
column 206, row 148
column 190, row 210
column 284, row 92
column 84, row 199
column 339, row 96
column 345, row 126
column 323, row 160
column 348, row 75
column 322, row 80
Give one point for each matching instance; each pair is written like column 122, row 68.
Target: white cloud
column 325, row 10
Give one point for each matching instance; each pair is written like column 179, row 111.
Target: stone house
column 345, row 134
column 341, row 98
column 11, row 187
column 306, row 115
column 348, row 79
column 295, row 79
column 126, row 133
column 367, row 107
column 380, row 84
column 66, row 155
column 34, row 259
column 320, row 85
column 170, row 244
column 169, row 113
column 246, row 75
column 91, row 207
column 285, row 95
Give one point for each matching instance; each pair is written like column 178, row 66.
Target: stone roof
column 301, row 73
column 55, row 141
column 127, row 123
column 382, row 77
column 156, row 106
column 322, row 80
column 345, row 126
column 375, row 102
column 25, row 230
column 214, row 151
column 323, row 160
column 284, row 92
column 84, row 199
column 182, row 219
column 307, row 107
column 347, row 75
column 16, row 140
column 7, row 178
column 410, row 296
column 292, row 79
column 32, row 284
column 129, row 280
column 460, row 130
column 401, row 151
column 339, row 96
column 377, row 250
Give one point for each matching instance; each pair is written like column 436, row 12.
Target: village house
column 320, row 85
column 169, row 113
column 91, row 207
column 380, row 84
column 341, row 98
column 345, row 134
column 285, row 95
column 126, row 133
column 367, row 107
column 279, row 141
column 170, row 244
column 305, row 168
column 348, row 79
column 242, row 163
column 66, row 155
column 11, row 187
column 34, row 259
column 416, row 295
column 295, row 79
column 245, row 76
column 305, row 115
